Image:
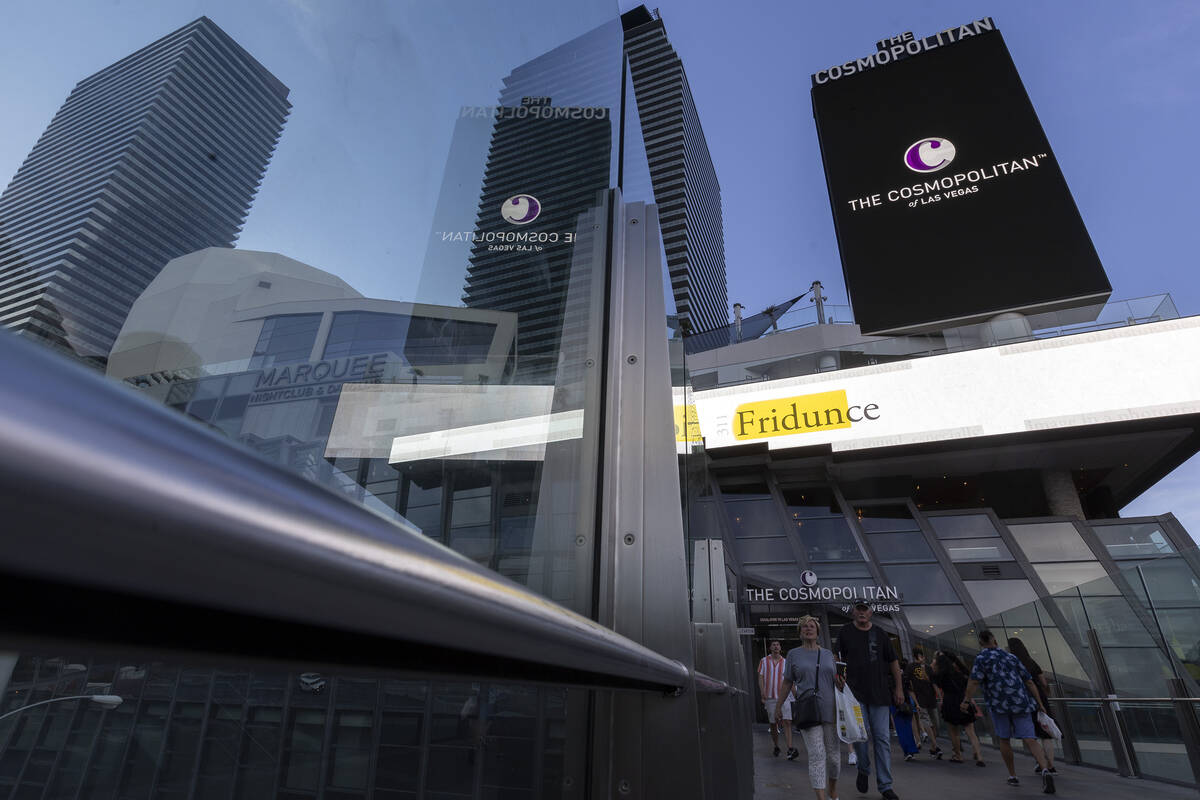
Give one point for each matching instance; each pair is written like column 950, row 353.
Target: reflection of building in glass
column 261, row 347
column 155, row 156
column 685, row 182
column 546, row 166
column 955, row 493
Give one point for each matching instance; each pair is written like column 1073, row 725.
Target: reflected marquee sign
column 1113, row 375
column 308, row 380
column 948, row 203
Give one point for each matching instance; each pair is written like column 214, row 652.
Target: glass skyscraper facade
column 686, row 188
column 155, row 156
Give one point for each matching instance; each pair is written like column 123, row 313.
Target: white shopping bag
column 1048, row 725
column 851, row 726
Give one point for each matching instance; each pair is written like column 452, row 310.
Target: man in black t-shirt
column 874, row 676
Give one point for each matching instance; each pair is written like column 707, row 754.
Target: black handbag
column 806, row 710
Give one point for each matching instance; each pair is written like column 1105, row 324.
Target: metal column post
column 1123, row 751
column 645, row 746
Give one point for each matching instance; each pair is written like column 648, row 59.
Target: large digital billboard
column 948, row 202
column 1097, row 378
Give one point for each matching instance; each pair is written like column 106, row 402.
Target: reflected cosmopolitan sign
column 1129, row 373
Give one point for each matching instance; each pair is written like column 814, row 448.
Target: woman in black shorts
column 950, row 675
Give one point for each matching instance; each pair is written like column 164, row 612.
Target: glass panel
column 285, row 339
column 1051, row 541
column 925, row 584
column 1135, row 540
column 969, row 526
column 893, row 547
column 826, row 573
column 1073, row 679
column 932, row 620
column 1157, row 740
column 1059, row 577
column 827, row 539
column 978, row 550
column 880, row 519
column 995, row 597
column 1116, row 623
column 754, row 551
column 417, row 290
column 765, row 575
column 1091, row 732
column 1181, row 628
column 1138, row 671
column 757, row 517
column 1026, row 615
column 811, row 501
column 1171, row 582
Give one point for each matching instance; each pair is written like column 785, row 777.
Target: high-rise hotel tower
column 151, row 158
column 681, row 169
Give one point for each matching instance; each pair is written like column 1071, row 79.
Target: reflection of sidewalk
column 926, row 779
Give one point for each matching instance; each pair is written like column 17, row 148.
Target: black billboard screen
column 948, row 202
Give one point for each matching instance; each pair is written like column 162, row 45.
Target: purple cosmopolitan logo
column 929, row 155
column 521, row 209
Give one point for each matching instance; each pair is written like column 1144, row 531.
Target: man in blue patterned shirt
column 1011, row 698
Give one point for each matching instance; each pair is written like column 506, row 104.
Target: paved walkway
column 929, row 779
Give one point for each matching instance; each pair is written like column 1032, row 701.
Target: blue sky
column 376, row 86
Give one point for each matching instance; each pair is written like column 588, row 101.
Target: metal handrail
column 197, row 544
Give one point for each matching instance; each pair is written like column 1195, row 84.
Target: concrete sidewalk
column 930, row 779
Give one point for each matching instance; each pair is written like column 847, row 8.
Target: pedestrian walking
column 925, row 707
column 1011, row 698
column 949, row 674
column 904, row 719
column 1018, row 649
column 770, row 679
column 873, row 673
column 810, row 672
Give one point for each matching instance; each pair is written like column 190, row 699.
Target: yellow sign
column 687, row 424
column 787, row 416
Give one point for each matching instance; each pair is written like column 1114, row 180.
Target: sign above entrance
column 776, row 594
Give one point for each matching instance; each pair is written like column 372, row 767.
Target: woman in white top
column 810, row 667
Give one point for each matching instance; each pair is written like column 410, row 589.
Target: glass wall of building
column 398, row 289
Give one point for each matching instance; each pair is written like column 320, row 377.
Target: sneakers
column 910, row 756
column 793, row 754
column 1047, row 782
column 776, row 752
column 1012, row 781
column 1038, row 770
column 936, row 753
column 861, row 783
column 888, row 794
column 853, row 758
